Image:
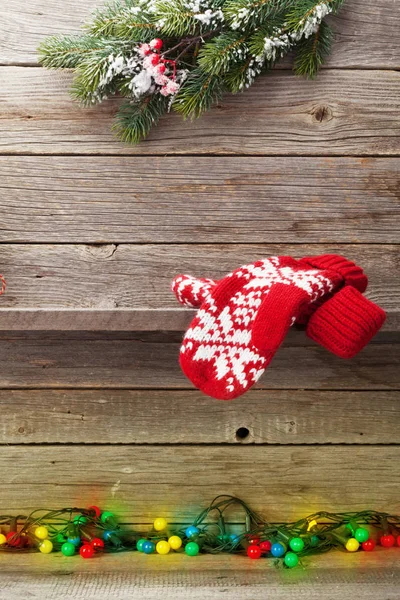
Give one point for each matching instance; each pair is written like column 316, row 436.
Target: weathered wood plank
column 111, row 277
column 331, row 576
column 367, row 31
column 117, row 320
column 341, row 113
column 283, row 482
column 270, row 417
column 132, row 361
column 202, row 199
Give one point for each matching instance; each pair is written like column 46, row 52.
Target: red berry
column 154, row 59
column 97, row 543
column 398, row 540
column 96, row 510
column 387, row 540
column 265, row 546
column 156, row 44
column 368, row 546
column 86, row 551
column 254, row 551
column 161, row 69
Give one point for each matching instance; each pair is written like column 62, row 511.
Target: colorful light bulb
column 234, row 539
column 387, row 540
column 45, row 546
column 160, row 524
column 86, row 551
column 76, row 540
column 291, row 560
column 97, row 543
column 265, row 546
column 163, row 547
column 192, row 549
column 80, row 520
column 108, row 518
column 352, row 545
column 191, row 531
column 175, row 542
column 254, row 540
column 68, row 549
column 149, row 547
column 296, row 544
column 313, row 523
column 361, row 534
column 254, row 551
column 368, row 545
column 95, row 511
column 278, row 549
column 139, row 544
column 41, row 532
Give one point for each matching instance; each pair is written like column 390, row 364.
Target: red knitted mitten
column 343, row 324
column 243, row 320
column 346, row 323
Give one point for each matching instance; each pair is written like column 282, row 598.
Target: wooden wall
column 94, row 408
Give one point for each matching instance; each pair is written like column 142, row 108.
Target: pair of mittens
column 244, row 317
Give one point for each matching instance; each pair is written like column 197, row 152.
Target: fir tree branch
column 134, row 121
column 311, row 53
column 197, row 95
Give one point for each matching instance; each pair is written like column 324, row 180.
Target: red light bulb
column 387, row 540
column 86, row 551
column 368, row 546
column 254, row 551
column 265, row 546
column 14, row 539
column 96, row 510
column 254, row 540
column 97, row 543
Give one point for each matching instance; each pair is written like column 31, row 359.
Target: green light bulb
column 361, row 534
column 192, row 549
column 296, row 544
column 68, row 549
column 291, row 560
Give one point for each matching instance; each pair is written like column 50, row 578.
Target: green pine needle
column 312, row 52
column 198, row 94
column 135, row 120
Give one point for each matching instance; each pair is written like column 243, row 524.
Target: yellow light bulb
column 175, row 542
column 163, row 547
column 3, row 539
column 42, row 533
column 311, row 525
column 160, row 524
column 45, row 547
column 352, row 545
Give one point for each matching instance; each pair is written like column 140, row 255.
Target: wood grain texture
column 366, row 31
column 110, row 277
column 283, row 482
column 175, row 577
column 134, row 417
column 202, row 199
column 132, row 361
column 340, row 113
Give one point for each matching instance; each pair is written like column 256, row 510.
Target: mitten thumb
column 345, row 323
column 276, row 314
column 191, row 291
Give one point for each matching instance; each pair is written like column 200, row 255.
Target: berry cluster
column 162, row 70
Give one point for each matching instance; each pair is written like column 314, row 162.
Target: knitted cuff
column 352, row 274
column 345, row 323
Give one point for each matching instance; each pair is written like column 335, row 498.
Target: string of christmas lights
column 88, row 531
